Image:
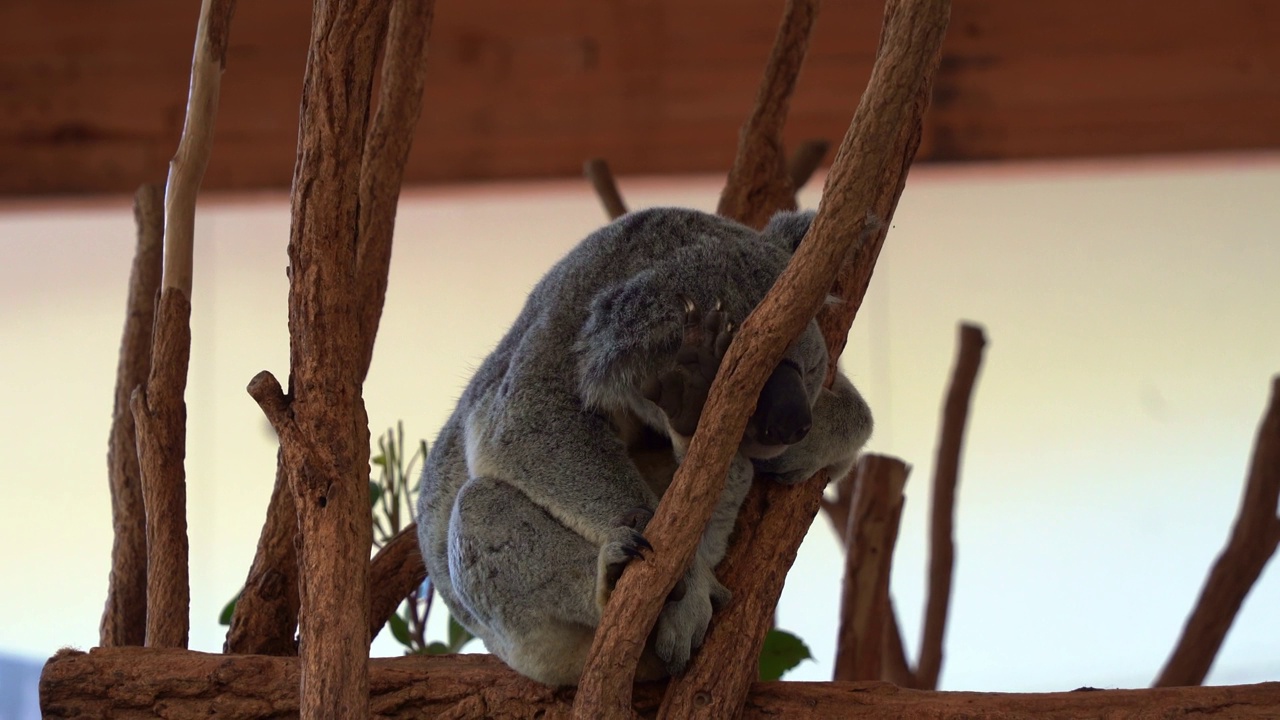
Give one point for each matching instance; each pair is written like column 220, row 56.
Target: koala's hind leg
column 531, row 583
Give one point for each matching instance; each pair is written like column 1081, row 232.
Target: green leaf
column 782, row 651
column 437, row 648
column 400, row 630
column 224, row 618
column 375, row 492
column 380, row 460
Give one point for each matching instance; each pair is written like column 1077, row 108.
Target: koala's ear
column 787, row 228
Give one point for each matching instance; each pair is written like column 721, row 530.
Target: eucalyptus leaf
column 224, row 618
column 400, row 630
column 782, row 651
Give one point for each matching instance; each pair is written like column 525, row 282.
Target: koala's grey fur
column 535, row 494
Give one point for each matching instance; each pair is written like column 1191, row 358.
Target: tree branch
column 394, row 572
column 805, row 161
column 129, row 683
column 866, row 177
column 597, row 172
column 758, row 183
column 124, row 619
column 946, row 477
column 871, row 535
column 1253, row 541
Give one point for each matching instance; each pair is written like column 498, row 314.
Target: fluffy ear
column 787, row 228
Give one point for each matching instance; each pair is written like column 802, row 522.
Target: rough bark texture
column 161, row 417
column 946, row 477
column 759, row 183
column 866, row 177
column 600, row 176
column 123, row 683
column 326, row 434
column 395, row 571
column 268, row 613
column 1253, row 541
column 868, row 562
column 124, row 619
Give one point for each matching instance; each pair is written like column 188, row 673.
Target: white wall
column 1131, row 313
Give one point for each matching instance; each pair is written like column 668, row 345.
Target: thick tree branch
column 126, row 683
column 946, row 477
column 597, row 172
column 759, row 184
column 124, row 619
column 870, row 536
column 394, row 572
column 1253, row 541
column 866, row 178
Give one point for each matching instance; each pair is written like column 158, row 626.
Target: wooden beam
column 93, row 92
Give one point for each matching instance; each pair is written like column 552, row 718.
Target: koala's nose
column 782, row 414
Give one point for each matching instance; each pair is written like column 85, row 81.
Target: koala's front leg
column 681, row 391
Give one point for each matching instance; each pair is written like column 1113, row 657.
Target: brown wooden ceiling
column 93, row 92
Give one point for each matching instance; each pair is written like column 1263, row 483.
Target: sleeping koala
column 536, row 493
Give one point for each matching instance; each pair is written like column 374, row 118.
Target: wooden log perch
column 1252, row 543
column 124, row 618
column 866, row 177
column 759, row 183
column 597, row 172
column 124, row 683
column 946, row 477
column 870, row 537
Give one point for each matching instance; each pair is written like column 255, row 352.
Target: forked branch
column 600, row 176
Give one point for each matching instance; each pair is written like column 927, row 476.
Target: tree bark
column 124, row 619
column 870, row 538
column 946, row 477
column 124, row 683
column 866, row 178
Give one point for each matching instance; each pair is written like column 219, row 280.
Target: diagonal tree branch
column 946, row 477
column 866, row 177
column 1253, row 541
column 124, row 619
column 597, row 172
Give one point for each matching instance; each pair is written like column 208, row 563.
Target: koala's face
column 783, row 413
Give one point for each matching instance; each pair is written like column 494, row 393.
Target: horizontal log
column 94, row 91
column 152, row 682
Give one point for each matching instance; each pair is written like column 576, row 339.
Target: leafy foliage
column 782, row 652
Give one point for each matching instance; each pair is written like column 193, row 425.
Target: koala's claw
column 625, row 543
column 681, row 392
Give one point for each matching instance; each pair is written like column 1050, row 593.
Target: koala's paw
column 625, row 543
column 681, row 392
column 682, row 626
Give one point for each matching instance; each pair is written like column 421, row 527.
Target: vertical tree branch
column 946, row 477
column 866, row 177
column 600, row 176
column 871, row 535
column 1253, row 541
column 759, row 184
column 158, row 408
column 124, row 619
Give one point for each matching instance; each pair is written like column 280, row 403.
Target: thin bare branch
column 871, row 535
column 124, row 619
column 866, row 178
column 758, row 183
column 946, row 477
column 600, row 176
column 1253, row 541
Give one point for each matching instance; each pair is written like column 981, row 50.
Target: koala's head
column 784, row 410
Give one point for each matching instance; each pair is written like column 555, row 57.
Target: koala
column 536, row 493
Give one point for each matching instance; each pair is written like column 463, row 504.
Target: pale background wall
column 1131, row 312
